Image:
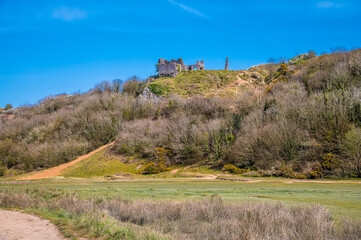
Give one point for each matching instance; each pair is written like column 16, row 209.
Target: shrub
column 8, row 106
column 158, row 89
column 300, row 176
column 2, row 169
column 325, row 166
column 152, row 168
column 133, row 86
column 233, row 169
column 351, row 146
column 159, row 166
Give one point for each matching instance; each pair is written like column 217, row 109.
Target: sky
column 67, row 46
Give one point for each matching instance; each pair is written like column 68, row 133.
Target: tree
column 271, row 67
column 107, row 86
column 311, row 54
column 271, row 60
column 117, row 85
column 352, row 148
column 8, row 106
column 132, row 86
column 104, row 86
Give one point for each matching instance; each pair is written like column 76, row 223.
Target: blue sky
column 51, row 47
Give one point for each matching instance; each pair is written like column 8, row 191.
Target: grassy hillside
column 299, row 120
column 193, row 82
column 206, row 82
column 100, row 165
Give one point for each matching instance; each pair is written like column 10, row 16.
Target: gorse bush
column 232, row 169
column 159, row 165
column 292, row 126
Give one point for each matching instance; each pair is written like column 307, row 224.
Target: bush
column 3, row 169
column 152, row 168
column 159, row 166
column 133, row 86
column 158, row 89
column 351, row 146
column 233, row 169
column 8, row 106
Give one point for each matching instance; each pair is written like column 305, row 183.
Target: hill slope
column 296, row 120
column 207, row 83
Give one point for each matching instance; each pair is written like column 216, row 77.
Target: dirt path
column 55, row 171
column 21, row 226
column 174, row 171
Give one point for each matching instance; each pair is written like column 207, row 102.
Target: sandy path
column 21, row 226
column 174, row 171
column 55, row 171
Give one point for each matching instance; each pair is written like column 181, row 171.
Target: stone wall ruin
column 172, row 68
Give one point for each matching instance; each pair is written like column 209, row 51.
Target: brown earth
column 21, row 226
column 174, row 171
column 55, row 171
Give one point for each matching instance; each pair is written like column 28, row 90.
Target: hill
column 207, row 83
column 300, row 119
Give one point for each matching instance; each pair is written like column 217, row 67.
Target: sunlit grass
column 342, row 199
column 99, row 165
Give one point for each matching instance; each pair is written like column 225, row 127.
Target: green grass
column 193, row 82
column 342, row 199
column 99, row 165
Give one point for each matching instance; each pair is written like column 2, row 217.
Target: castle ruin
column 172, row 68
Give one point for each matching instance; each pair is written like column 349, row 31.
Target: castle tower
column 227, row 65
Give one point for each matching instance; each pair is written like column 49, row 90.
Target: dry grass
column 210, row 219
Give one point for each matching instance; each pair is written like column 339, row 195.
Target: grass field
column 342, row 199
column 103, row 197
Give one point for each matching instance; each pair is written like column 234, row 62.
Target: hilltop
column 299, row 119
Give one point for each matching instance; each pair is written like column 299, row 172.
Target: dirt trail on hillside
column 21, row 226
column 55, row 171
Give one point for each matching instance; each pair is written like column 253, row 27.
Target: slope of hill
column 207, row 82
column 295, row 120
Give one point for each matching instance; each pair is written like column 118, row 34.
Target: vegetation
column 193, row 82
column 117, row 218
column 232, row 169
column 159, row 166
column 99, row 165
column 133, row 86
column 341, row 198
column 286, row 124
column 8, row 106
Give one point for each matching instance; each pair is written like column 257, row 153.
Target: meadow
column 145, row 208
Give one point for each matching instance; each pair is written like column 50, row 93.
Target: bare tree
column 352, row 148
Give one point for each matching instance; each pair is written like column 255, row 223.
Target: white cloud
column 69, row 14
column 188, row 9
column 328, row 4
